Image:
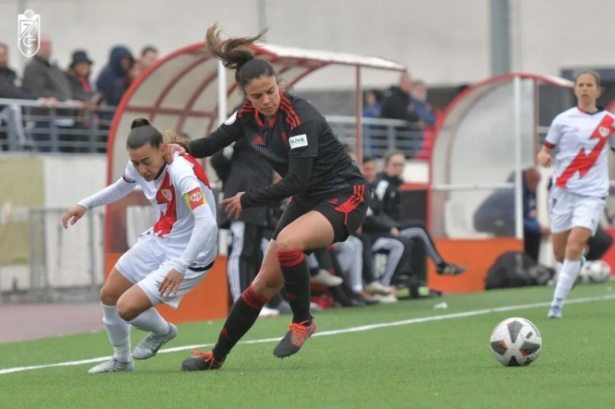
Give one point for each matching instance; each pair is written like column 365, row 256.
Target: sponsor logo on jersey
column 194, row 198
column 298, row 141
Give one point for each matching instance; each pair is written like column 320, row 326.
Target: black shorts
column 344, row 210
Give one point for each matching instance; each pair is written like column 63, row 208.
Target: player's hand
column 395, row 231
column 170, row 150
column 170, row 285
column 545, row 159
column 72, row 215
column 233, row 205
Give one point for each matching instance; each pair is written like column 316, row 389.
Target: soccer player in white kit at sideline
column 576, row 144
column 169, row 259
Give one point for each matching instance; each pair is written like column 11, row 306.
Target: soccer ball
column 516, row 342
column 595, row 272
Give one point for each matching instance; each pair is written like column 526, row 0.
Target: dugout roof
column 476, row 143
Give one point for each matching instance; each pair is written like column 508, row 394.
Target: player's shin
column 244, row 313
column 297, row 284
column 567, row 277
column 118, row 331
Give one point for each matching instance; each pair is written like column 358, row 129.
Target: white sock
column 151, row 321
column 118, row 331
column 567, row 276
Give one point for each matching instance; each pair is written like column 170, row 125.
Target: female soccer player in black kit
column 329, row 195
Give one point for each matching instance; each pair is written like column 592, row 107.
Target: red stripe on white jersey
column 582, row 163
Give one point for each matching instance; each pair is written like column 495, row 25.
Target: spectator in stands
column 8, row 79
column 43, row 78
column 78, row 76
column 418, row 97
column 397, row 104
column 135, row 72
column 149, row 55
column 374, row 136
column 11, row 113
column 496, row 215
column 368, row 168
column 112, row 81
column 372, row 105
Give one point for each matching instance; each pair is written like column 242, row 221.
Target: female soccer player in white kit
column 169, row 259
column 580, row 179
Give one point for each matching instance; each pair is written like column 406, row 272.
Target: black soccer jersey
column 299, row 145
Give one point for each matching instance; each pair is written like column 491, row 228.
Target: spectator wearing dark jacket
column 78, row 76
column 44, row 79
column 398, row 105
column 8, row 79
column 112, row 80
column 11, row 114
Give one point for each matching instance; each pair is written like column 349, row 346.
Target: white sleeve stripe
column 381, row 189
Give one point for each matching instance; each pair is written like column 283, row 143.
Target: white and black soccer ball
column 516, row 342
column 595, row 272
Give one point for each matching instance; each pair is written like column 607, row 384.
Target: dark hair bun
column 136, row 123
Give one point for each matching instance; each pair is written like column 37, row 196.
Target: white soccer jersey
column 581, row 158
column 176, row 193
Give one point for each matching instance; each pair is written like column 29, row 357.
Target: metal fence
column 65, row 128
column 64, row 264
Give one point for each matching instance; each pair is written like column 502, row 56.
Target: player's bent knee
column 108, row 296
column 128, row 310
column 287, row 241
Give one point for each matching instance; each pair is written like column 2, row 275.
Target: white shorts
column 146, row 265
column 570, row 210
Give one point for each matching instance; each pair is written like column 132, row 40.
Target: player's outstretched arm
column 110, row 194
column 227, row 133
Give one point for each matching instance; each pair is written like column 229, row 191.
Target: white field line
column 333, row 332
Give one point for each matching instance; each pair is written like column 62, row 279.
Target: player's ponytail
column 142, row 133
column 235, row 55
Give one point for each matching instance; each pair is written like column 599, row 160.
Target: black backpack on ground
column 516, row 269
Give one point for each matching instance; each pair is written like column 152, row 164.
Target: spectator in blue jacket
column 496, row 215
column 113, row 79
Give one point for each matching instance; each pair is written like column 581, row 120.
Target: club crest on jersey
column 167, row 194
column 298, row 141
column 604, row 131
column 194, row 198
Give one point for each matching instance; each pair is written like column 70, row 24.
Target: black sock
column 297, row 284
column 243, row 315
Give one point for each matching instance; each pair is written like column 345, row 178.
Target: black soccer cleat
column 450, row 269
column 201, row 361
